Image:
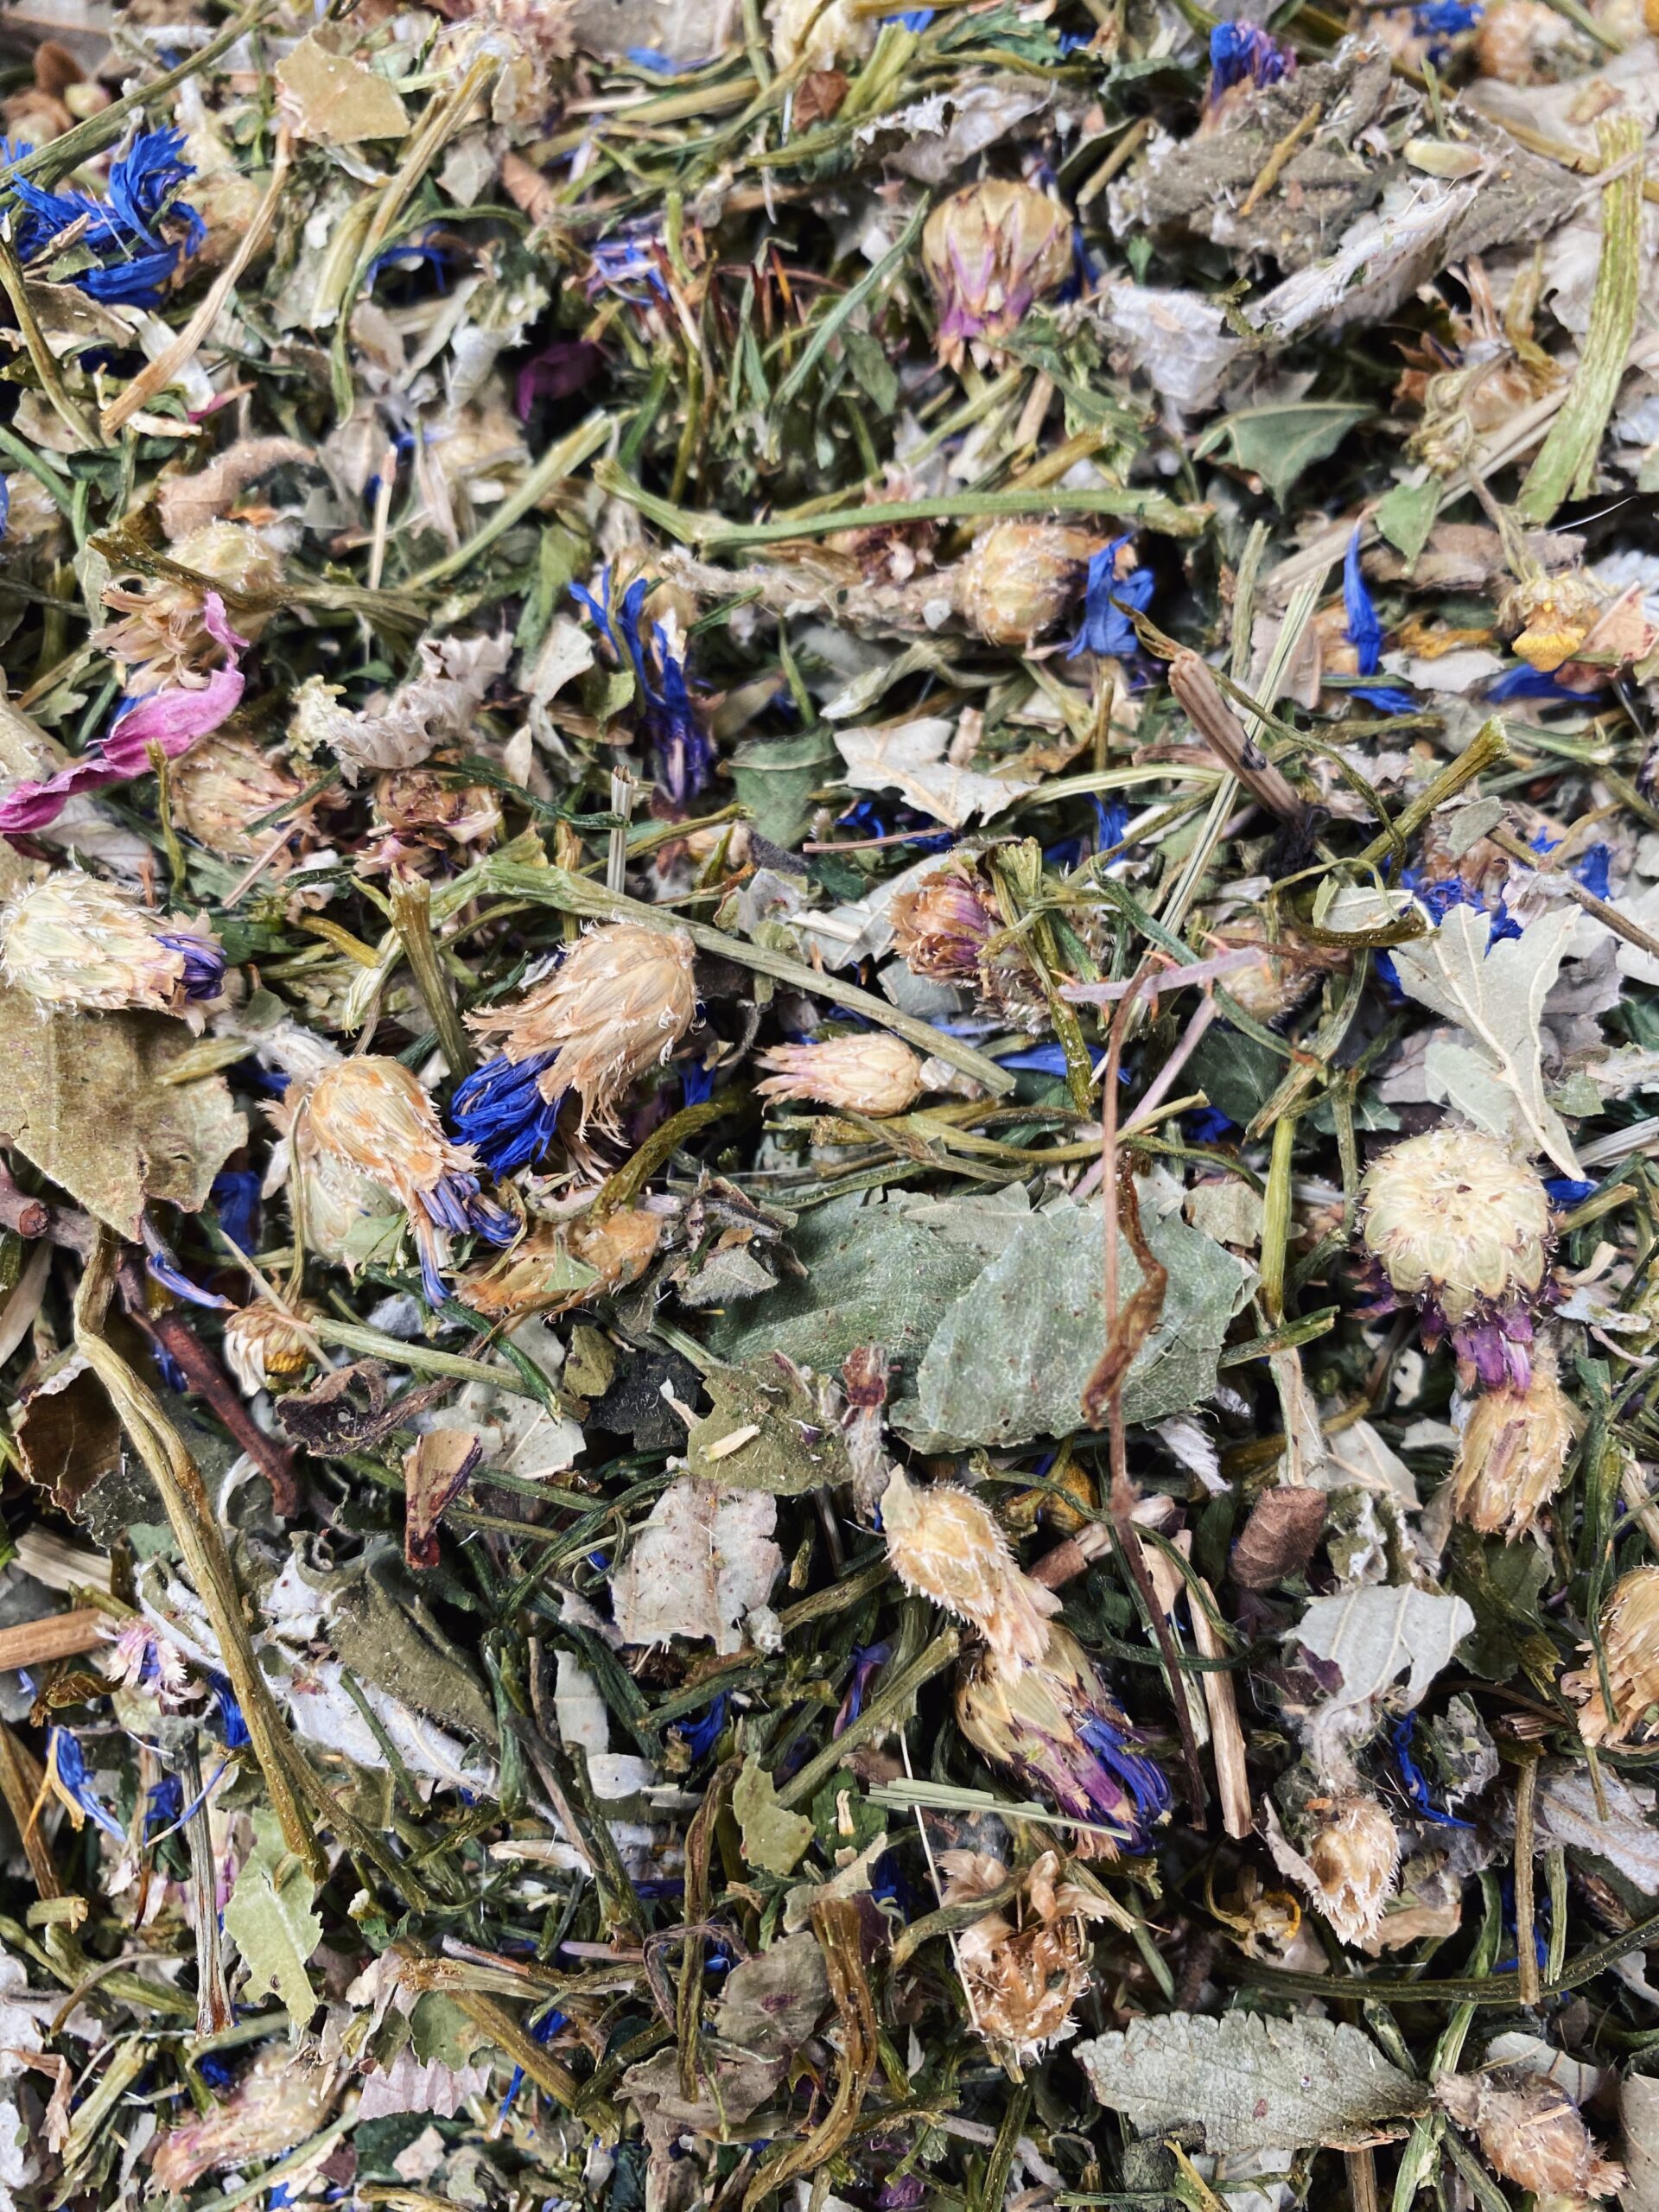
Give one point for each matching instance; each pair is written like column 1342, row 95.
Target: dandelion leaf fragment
column 773, row 1838
column 1245, row 2082
column 1011, row 1357
column 271, row 1918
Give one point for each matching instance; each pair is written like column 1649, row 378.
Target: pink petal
column 172, row 719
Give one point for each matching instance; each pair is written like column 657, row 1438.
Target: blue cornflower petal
column 1107, row 628
column 702, row 1736
column 501, row 1112
column 69, row 1761
column 235, row 1194
column 228, row 1724
column 1364, row 631
column 1387, row 698
column 1243, row 54
column 1568, row 1189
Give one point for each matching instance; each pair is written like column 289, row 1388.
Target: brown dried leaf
column 1279, row 1538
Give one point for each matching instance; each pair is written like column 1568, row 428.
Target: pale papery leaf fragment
column 1247, row 2082
column 703, row 1559
column 1495, row 994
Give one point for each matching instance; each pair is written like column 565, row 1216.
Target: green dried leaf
column 1250, row 2083
column 773, row 1839
column 87, row 1101
column 1405, row 515
column 1279, row 444
column 271, row 1918
column 1011, row 1358
column 872, row 1278
column 766, row 1433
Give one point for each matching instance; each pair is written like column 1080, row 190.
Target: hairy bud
column 1629, row 1647
column 1354, row 1860
column 942, row 927
column 945, row 1545
column 989, row 251
column 1019, row 578
column 1530, row 2132
column 1512, row 1453
column 860, row 1075
column 75, row 942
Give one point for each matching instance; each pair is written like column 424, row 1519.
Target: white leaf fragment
column 1496, row 994
column 911, row 759
column 1249, row 2082
column 704, row 1561
column 1375, row 1634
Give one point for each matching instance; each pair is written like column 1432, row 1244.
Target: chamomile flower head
column 874, row 1074
column 77, row 944
column 375, row 1117
column 1460, row 1226
column 264, row 1346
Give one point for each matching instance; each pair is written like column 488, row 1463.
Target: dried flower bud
column 1530, row 2131
column 1026, row 1966
column 1354, row 1860
column 1019, row 578
column 1289, row 968
column 942, row 1542
column 421, row 807
column 823, row 35
column 75, row 943
column 375, row 1117
column 942, row 927
column 279, row 2102
column 619, row 1003
column 221, row 786
column 874, row 1074
column 1630, row 1646
column 989, row 251
column 1053, row 1721
column 535, row 1277
column 1512, row 1453
column 264, row 1345
column 1462, row 1227
column 1549, row 618
column 163, row 631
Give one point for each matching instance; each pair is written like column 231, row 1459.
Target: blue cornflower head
column 66, row 1765
column 1107, row 628
column 1364, row 631
column 136, row 260
column 499, row 1110
column 1245, row 53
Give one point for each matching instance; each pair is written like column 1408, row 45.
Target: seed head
column 1630, row 1645
column 372, row 1116
column 1354, row 1860
column 618, row 1004
column 1529, row 2130
column 222, row 784
column 75, row 943
column 1019, row 578
column 1512, row 1453
column 1026, row 1964
column 942, row 927
column 1053, row 1721
column 942, row 1543
column 989, row 251
column 264, row 1346
column 1458, row 1225
column 875, row 1075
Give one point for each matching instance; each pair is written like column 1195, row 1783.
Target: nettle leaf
column 1496, row 994
column 773, row 1837
column 1279, row 444
column 1010, row 1359
column 1405, row 515
column 1247, row 2082
column 270, row 1919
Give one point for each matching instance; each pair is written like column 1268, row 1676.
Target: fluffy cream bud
column 873, row 1074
